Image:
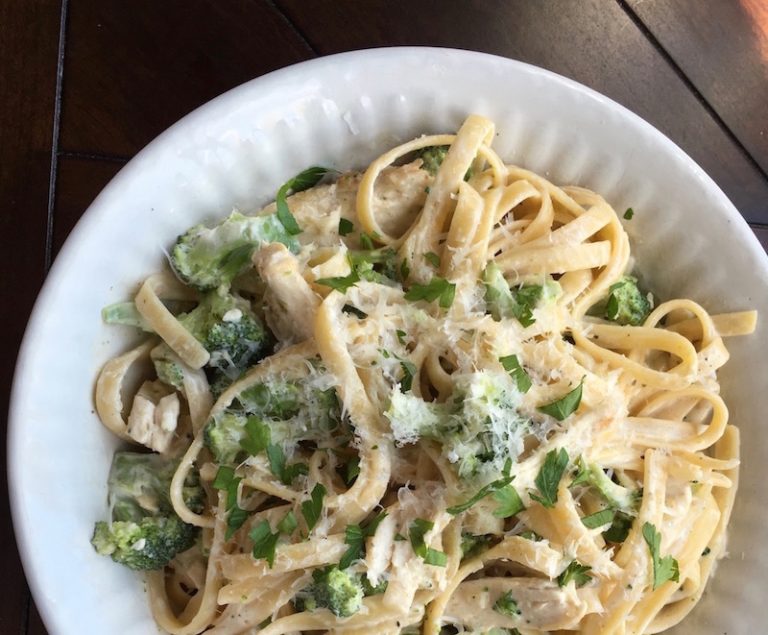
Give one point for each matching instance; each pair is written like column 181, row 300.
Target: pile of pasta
column 649, row 417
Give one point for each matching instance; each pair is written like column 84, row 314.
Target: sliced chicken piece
column 540, row 604
column 291, row 304
column 378, row 553
column 154, row 416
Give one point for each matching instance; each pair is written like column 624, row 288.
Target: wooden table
column 85, row 84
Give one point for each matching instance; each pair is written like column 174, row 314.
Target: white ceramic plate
column 342, row 111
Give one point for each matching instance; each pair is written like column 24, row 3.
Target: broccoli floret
column 376, row 265
column 218, row 381
column 276, row 400
column 488, row 429
column 206, row 258
column 479, row 427
column 229, row 330
column 411, row 418
column 498, row 295
column 192, row 492
column 139, row 485
column 169, row 372
column 149, row 544
column 626, row 304
column 614, row 494
column 223, row 436
column 145, row 532
column 432, row 158
column 503, row 302
column 293, row 412
column 334, row 589
column 125, row 313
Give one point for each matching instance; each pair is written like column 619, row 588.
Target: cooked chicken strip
column 290, row 303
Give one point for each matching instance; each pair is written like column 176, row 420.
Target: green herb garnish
column 302, row 181
column 598, row 519
column 664, row 569
column 548, row 478
column 277, row 463
column 433, row 259
column 340, row 283
column 437, row 289
column 264, row 542
column 510, row 503
column 579, row 573
column 312, row 508
column 564, row 406
column 481, row 493
column 416, row 532
column 226, row 480
column 257, row 436
column 517, row 372
column 288, row 524
column 506, row 605
column 619, row 529
column 355, row 535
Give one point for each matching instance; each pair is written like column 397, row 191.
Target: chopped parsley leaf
column 433, row 259
column 437, row 289
column 548, row 478
column 506, row 605
column 579, row 573
column 416, row 532
column 355, row 535
column 598, row 519
column 288, row 524
column 565, row 406
column 302, row 181
column 510, row 503
column 312, row 508
column 517, row 372
column 340, row 283
column 257, row 436
column 664, row 569
column 264, row 542
column 286, row 473
column 481, row 493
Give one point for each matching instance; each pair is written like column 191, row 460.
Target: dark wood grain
column 134, row 68
column 35, row 625
column 29, row 54
column 80, row 180
column 722, row 48
column 592, row 41
column 762, row 236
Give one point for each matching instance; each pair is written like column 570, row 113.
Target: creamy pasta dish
column 432, row 397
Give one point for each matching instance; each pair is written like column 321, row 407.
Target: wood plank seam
column 689, row 84
column 26, row 611
column 293, row 27
column 56, row 132
column 90, row 156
